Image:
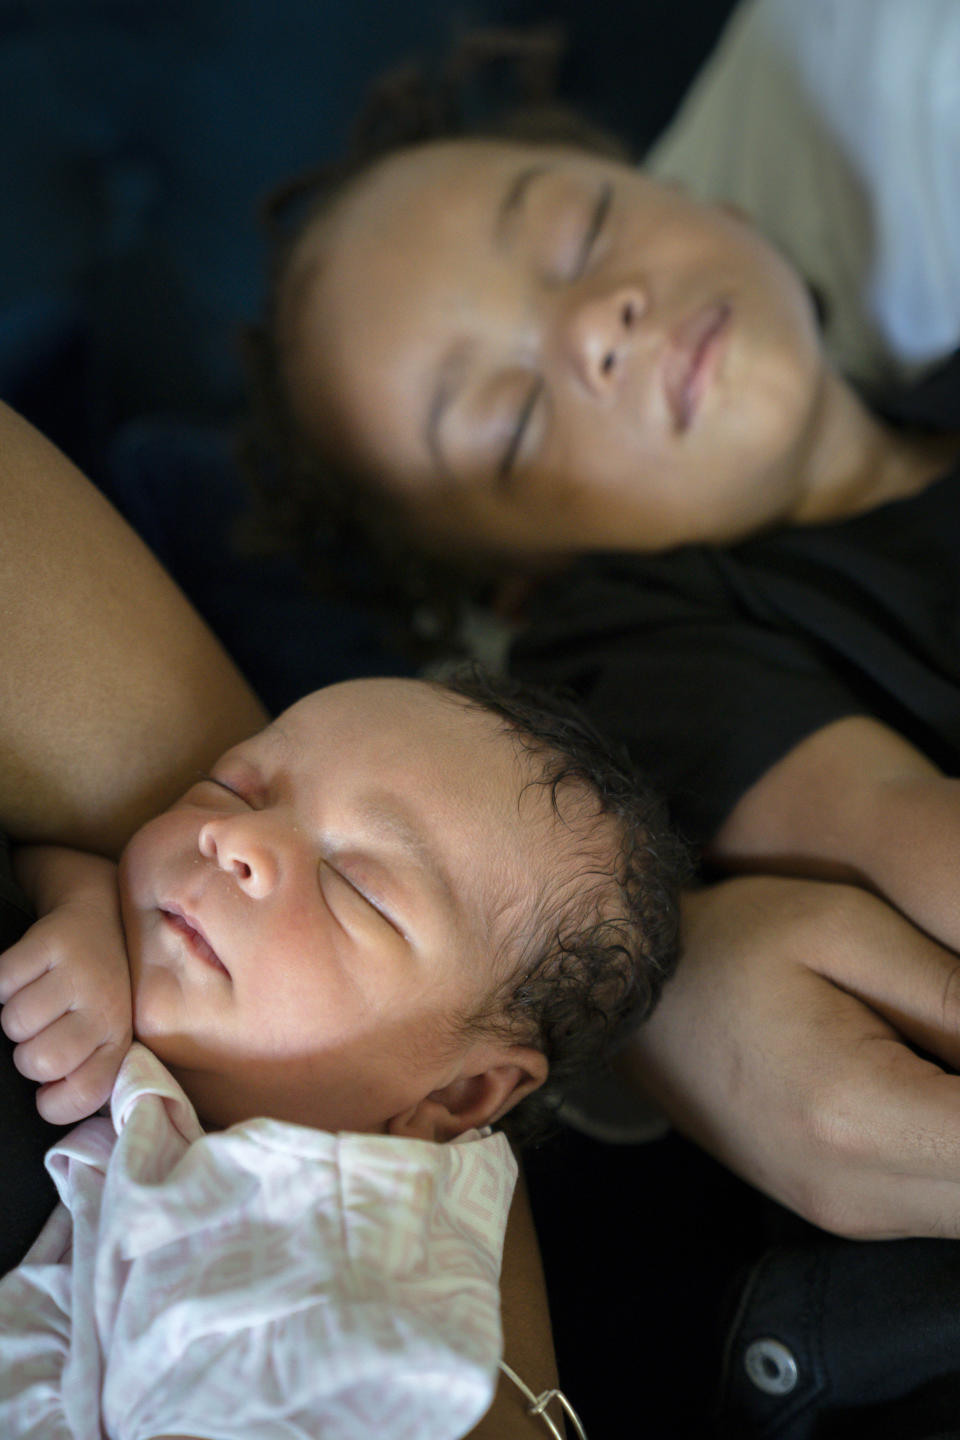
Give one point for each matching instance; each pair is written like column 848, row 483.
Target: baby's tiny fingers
column 58, row 1048
column 24, row 962
column 83, row 1091
column 37, row 1005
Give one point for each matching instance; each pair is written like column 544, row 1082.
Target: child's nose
column 599, row 329
column 244, row 850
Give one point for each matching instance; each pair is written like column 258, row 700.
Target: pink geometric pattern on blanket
column 267, row 1278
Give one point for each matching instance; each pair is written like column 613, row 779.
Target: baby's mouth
column 195, row 939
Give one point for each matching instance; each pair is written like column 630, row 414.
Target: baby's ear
column 490, row 1083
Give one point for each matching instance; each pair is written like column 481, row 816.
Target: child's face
column 304, row 926
column 552, row 352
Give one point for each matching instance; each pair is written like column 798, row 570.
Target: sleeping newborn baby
column 397, row 912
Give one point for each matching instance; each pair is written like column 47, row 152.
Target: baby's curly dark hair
column 308, row 503
column 603, row 940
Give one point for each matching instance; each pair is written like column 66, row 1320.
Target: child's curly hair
column 307, row 502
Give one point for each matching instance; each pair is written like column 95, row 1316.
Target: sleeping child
column 397, row 913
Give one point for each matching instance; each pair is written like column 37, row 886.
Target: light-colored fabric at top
column 836, row 125
column 265, row 1281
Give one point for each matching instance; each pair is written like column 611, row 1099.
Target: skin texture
column 544, row 352
column 307, row 927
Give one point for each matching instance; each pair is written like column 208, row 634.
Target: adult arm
column 527, row 1337
column 854, row 801
column 115, row 692
column 784, row 1045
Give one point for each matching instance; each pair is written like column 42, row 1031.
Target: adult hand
column 65, row 987
column 784, row 1045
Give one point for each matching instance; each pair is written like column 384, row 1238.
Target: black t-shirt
column 711, row 664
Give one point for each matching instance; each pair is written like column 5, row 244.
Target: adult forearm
column 527, row 1337
column 115, row 691
column 857, row 802
column 911, row 851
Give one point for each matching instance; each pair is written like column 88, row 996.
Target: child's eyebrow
column 514, row 199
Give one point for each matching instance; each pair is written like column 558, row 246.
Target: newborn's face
column 307, row 924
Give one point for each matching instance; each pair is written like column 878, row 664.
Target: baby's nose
column 599, row 331
column 238, row 847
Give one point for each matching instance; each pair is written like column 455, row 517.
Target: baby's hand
column 65, row 987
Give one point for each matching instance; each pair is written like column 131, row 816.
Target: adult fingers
column 831, row 1113
column 772, row 1049
column 873, row 952
column 885, row 1157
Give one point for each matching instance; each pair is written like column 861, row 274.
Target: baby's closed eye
column 352, row 895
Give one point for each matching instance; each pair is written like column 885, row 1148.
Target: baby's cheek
column 135, row 864
column 147, row 984
column 153, row 857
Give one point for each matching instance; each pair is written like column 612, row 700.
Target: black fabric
column 641, row 1246
column 27, row 1193
column 712, row 664
column 875, row 1333
column 663, row 1268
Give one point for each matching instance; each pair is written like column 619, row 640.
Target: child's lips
column 191, row 932
column 690, row 361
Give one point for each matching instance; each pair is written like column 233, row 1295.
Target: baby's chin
column 159, row 1010
column 227, row 1095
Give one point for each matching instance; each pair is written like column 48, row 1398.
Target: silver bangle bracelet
column 537, row 1405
